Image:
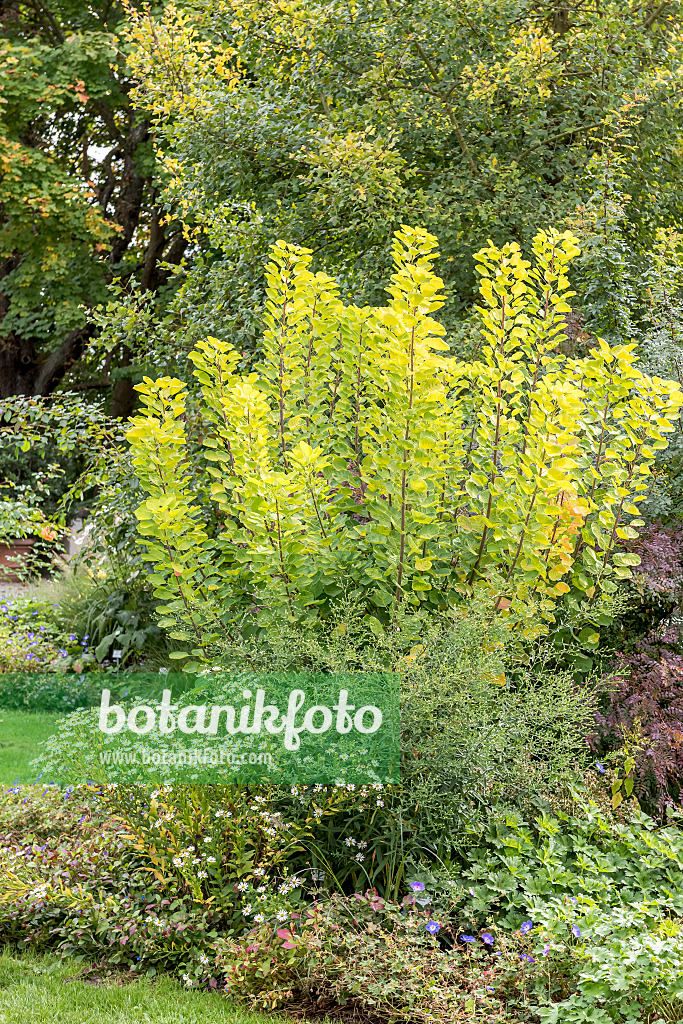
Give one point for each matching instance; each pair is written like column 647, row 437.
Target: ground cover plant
column 571, row 914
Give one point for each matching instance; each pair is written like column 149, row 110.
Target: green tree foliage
column 78, row 196
column 358, row 450
column 330, row 124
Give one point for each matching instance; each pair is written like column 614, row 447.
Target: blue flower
column 432, row 927
column 62, row 654
column 71, row 636
column 600, row 767
column 576, row 931
column 525, row 956
column 487, row 938
column 467, row 938
column 526, row 927
column 417, row 886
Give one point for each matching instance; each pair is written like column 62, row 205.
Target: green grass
column 20, row 732
column 44, row 990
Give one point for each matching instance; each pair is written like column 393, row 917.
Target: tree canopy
column 79, row 201
column 330, row 123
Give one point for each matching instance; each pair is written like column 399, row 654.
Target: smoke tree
column 359, row 453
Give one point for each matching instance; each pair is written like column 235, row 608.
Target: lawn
column 41, row 990
column 20, row 733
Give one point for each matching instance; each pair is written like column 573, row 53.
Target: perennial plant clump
column 41, row 656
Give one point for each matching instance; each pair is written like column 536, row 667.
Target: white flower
column 246, row 910
column 178, row 861
column 259, row 918
column 349, row 841
column 203, row 959
column 202, row 874
column 282, row 915
column 380, row 803
column 362, row 844
column 263, row 897
column 261, row 888
column 360, row 857
column 207, row 839
column 187, row 979
column 259, row 872
column 242, row 886
column 210, row 860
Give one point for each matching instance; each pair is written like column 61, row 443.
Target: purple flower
column 525, row 956
column 432, row 927
column 487, row 938
column 576, row 931
column 417, row 886
column 62, row 654
column 526, row 927
column 467, row 938
column 545, row 950
column 600, row 767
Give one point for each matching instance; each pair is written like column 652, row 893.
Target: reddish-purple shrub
column 661, row 557
column 647, row 690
